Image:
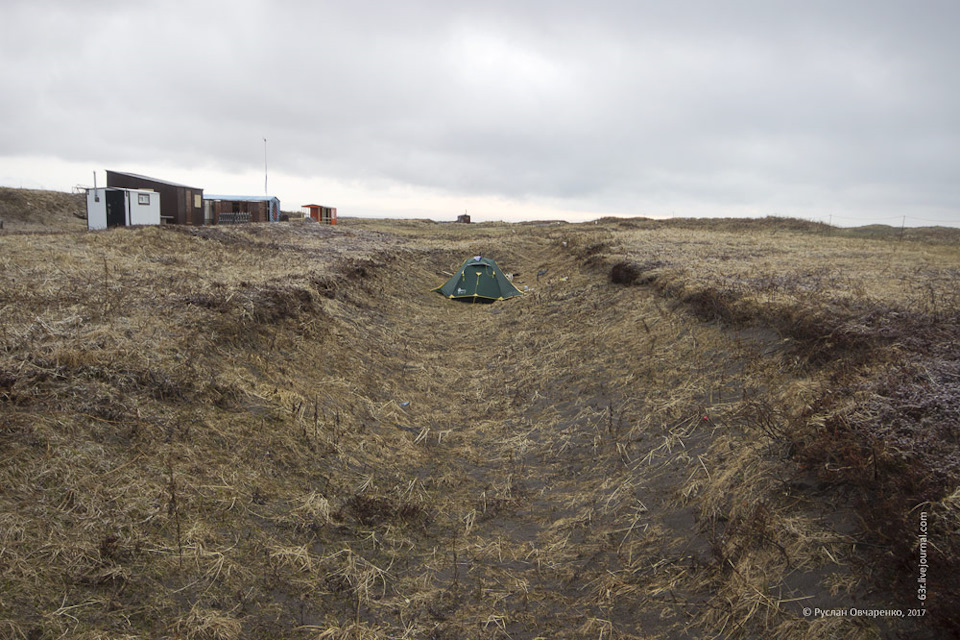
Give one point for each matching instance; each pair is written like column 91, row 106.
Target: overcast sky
column 840, row 111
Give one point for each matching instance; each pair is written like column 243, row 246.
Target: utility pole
column 266, row 192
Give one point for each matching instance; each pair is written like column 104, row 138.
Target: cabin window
column 143, row 198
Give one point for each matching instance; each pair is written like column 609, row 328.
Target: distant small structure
column 463, row 218
column 320, row 213
column 115, row 207
column 179, row 204
column 218, row 209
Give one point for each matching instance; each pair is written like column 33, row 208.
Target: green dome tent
column 479, row 280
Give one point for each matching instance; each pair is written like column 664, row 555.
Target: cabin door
column 116, row 209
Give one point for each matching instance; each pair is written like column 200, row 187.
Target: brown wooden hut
column 322, row 214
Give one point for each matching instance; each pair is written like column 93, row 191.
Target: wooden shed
column 322, row 214
column 179, row 204
column 236, row 209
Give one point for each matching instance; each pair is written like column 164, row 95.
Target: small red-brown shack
column 322, row 214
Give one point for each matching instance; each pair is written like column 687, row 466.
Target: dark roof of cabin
column 149, row 179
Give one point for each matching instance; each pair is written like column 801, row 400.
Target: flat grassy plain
column 684, row 429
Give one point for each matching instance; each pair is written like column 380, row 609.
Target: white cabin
column 115, row 207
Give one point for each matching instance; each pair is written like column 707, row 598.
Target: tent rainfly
column 478, row 280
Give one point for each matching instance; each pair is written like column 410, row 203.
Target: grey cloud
column 623, row 102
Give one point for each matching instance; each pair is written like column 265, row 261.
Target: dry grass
column 37, row 211
column 279, row 431
column 868, row 413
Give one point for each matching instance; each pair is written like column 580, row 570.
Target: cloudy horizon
column 839, row 111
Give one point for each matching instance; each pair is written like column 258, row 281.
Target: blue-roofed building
column 236, row 209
